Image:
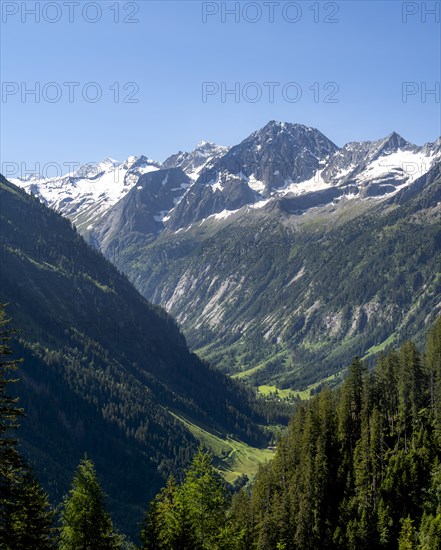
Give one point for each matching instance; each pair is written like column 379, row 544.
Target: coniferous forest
column 359, row 467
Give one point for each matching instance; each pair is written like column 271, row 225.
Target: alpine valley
column 106, row 372
column 281, row 257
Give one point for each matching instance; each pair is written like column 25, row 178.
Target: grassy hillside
column 232, row 457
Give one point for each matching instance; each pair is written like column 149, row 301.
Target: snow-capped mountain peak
column 108, row 161
column 205, row 145
column 87, row 193
column 192, row 163
column 92, row 169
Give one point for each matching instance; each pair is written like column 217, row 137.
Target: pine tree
column 11, row 463
column 204, row 496
column 433, row 371
column 408, row 539
column 167, row 524
column 241, row 520
column 25, row 516
column 32, row 518
column 85, row 523
column 350, row 407
column 410, row 389
column 430, row 532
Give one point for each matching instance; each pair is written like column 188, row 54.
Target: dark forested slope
column 102, row 367
column 360, row 467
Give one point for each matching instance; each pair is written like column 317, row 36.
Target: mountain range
column 277, row 254
column 279, row 161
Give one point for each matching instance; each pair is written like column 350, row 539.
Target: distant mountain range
column 279, row 161
column 283, row 256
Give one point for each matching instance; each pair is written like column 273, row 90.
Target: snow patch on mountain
column 404, row 166
column 315, row 183
column 255, row 184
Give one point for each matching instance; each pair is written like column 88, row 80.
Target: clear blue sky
column 368, row 53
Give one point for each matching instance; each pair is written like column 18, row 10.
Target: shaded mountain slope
column 102, row 366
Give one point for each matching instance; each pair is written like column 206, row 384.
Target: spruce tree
column 11, row 463
column 167, row 524
column 192, row 515
column 25, row 516
column 241, row 520
column 433, row 371
column 85, row 523
column 430, row 532
column 32, row 519
column 204, row 496
column 350, row 407
column 408, row 539
column 358, row 469
column 410, row 390
column 150, row 528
